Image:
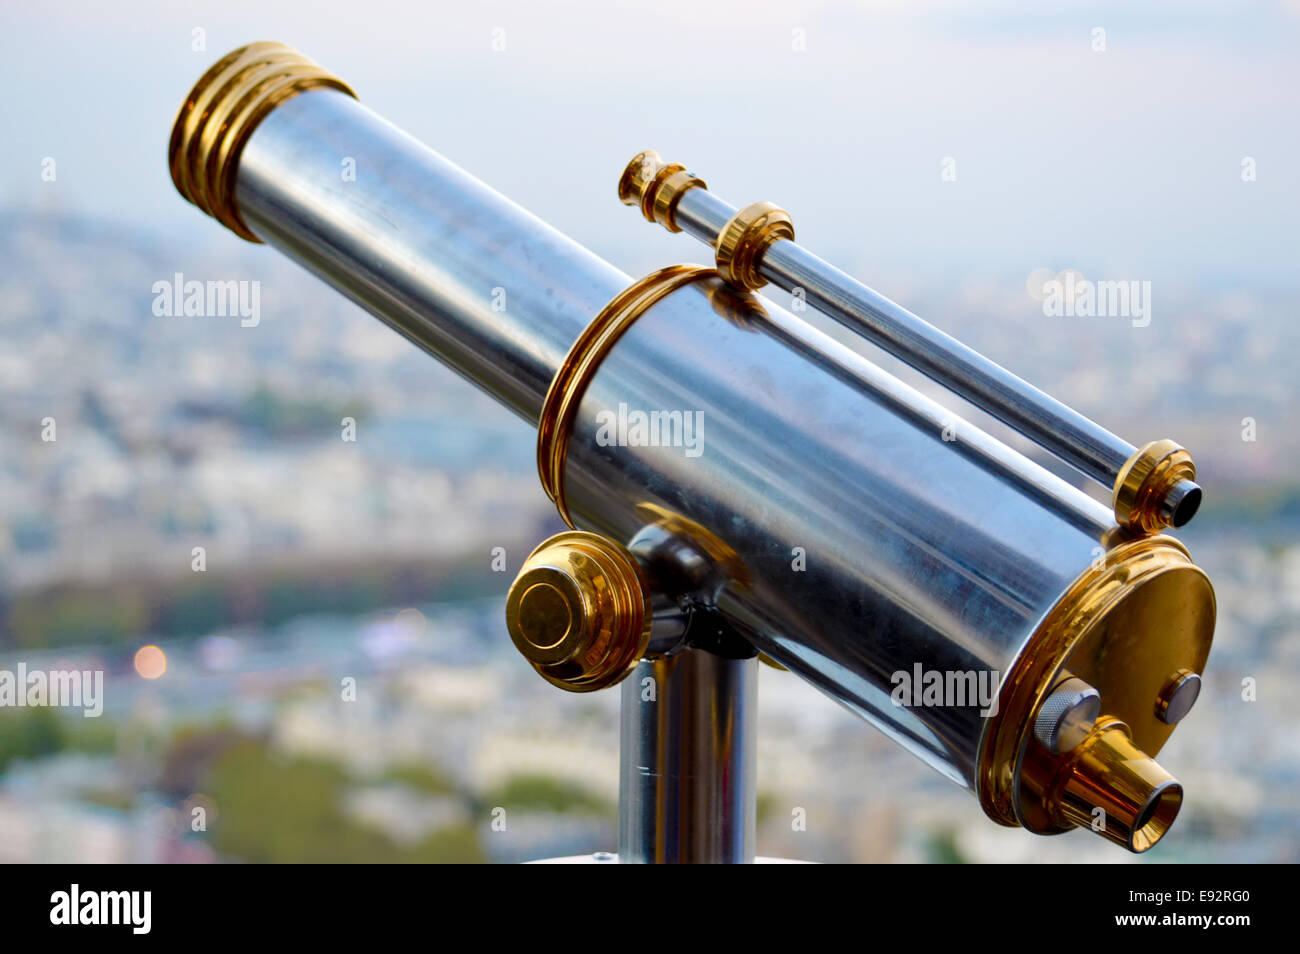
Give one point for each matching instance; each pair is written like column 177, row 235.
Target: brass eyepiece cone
column 1115, row 789
column 579, row 611
column 221, row 112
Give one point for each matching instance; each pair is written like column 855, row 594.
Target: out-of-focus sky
column 1125, row 161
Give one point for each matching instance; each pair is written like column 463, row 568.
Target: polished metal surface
column 221, row 112
column 580, row 611
column 487, row 288
column 1178, row 697
column 681, row 574
column 1107, row 777
column 687, row 760
column 610, row 858
column 1069, row 435
column 1143, row 609
column 875, row 531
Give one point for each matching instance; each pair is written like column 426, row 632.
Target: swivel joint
column 579, row 611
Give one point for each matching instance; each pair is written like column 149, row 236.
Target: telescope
column 738, row 485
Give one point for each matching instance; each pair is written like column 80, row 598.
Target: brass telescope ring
column 580, row 365
column 1145, row 481
column 221, row 112
column 656, row 187
column 743, row 240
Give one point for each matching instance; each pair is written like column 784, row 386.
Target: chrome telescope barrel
column 460, row 270
column 718, row 455
column 762, row 248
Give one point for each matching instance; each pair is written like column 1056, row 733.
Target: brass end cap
column 579, row 611
column 221, row 112
column 743, row 241
column 1146, row 611
column 1156, row 488
column 656, row 186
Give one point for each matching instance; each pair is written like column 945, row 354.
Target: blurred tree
column 29, row 734
column 545, row 793
column 274, row 809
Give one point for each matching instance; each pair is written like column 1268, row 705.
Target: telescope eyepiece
column 1113, row 788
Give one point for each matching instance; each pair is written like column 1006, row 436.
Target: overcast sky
column 1125, row 162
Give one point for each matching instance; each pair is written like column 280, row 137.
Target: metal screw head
column 1178, row 696
column 1067, row 715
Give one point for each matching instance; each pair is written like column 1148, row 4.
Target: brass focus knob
column 579, row 611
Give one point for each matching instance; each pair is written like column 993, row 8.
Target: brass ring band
column 1095, row 631
column 669, row 193
column 555, row 425
column 656, row 187
column 745, row 238
column 1145, row 479
column 221, row 112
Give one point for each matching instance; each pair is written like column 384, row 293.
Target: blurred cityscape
column 198, row 495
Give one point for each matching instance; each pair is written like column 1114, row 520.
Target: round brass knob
column 579, row 611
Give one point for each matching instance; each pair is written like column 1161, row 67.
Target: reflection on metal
column 833, row 519
column 1121, row 628
column 756, row 244
column 582, row 361
column 579, row 611
column 746, row 238
column 222, row 111
column 722, row 565
column 1178, row 696
column 656, row 187
column 686, row 785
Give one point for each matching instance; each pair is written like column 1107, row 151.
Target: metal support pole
column 686, row 760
